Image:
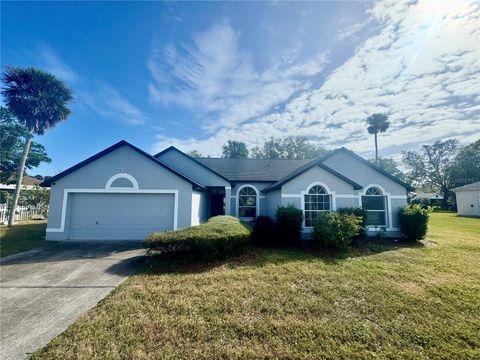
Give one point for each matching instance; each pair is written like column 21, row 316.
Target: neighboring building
column 125, row 193
column 427, row 198
column 28, row 183
column 468, row 199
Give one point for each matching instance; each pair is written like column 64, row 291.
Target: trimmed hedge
column 218, row 238
column 413, row 221
column 288, row 225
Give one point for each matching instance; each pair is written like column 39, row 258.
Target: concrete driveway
column 44, row 291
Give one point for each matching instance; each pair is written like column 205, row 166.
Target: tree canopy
column 290, row 147
column 12, row 138
column 235, row 150
column 431, row 166
column 466, row 165
column 391, row 166
column 36, row 98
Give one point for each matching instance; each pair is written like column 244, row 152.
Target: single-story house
column 427, row 198
column 468, row 199
column 125, row 193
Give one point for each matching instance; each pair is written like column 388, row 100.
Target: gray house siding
column 362, row 174
column 317, row 174
column 273, row 201
column 195, row 171
column 365, row 176
column 94, row 176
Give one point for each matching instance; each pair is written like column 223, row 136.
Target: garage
column 119, row 216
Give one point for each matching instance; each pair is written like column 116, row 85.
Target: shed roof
column 472, row 186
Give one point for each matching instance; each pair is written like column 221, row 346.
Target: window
column 247, row 202
column 122, row 183
column 317, row 200
column 376, row 205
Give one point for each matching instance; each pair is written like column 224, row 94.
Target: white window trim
column 302, row 199
column 389, row 207
column 237, row 201
column 114, row 190
column 122, row 176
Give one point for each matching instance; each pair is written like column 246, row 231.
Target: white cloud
column 421, row 68
column 106, row 101
column 215, row 76
column 96, row 95
column 51, row 63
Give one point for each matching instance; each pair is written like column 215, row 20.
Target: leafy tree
column 195, row 154
column 235, row 150
column 377, row 123
column 12, row 135
column 290, row 147
column 432, row 166
column 466, row 166
column 38, row 197
column 39, row 101
column 391, row 166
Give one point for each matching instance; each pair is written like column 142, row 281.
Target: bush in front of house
column 362, row 214
column 263, row 232
column 288, row 225
column 413, row 220
column 218, row 238
column 336, row 230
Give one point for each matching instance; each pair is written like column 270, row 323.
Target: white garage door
column 119, row 216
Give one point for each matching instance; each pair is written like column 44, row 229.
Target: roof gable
column 108, row 150
column 308, row 166
column 472, row 186
column 369, row 164
column 174, row 149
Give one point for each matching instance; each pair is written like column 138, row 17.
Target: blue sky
column 197, row 74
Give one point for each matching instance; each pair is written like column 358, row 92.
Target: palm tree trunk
column 21, row 169
column 376, row 150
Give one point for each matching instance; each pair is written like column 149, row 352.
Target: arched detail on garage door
column 117, row 178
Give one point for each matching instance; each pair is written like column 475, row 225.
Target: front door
column 217, row 206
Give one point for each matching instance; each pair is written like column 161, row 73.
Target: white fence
column 21, row 213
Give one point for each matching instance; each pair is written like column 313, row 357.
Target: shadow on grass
column 256, row 256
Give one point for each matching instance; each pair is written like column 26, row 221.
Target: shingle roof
column 252, row 169
column 472, row 186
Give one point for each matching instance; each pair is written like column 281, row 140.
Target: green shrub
column 413, row 221
column 336, row 229
column 288, row 225
column 263, row 232
column 362, row 214
column 218, row 238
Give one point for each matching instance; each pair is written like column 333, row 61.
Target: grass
column 388, row 302
column 23, row 236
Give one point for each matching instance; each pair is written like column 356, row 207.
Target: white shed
column 468, row 199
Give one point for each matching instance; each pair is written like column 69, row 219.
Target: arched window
column 122, row 183
column 317, row 200
column 375, row 202
column 247, row 202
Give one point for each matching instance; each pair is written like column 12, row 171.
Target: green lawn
column 23, row 236
column 396, row 302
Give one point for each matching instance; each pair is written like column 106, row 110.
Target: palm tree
column 39, row 101
column 377, row 123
